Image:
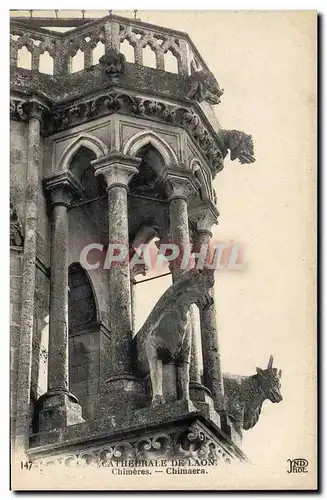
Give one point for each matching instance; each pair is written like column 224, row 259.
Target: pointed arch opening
column 78, row 156
column 145, row 182
column 46, row 63
column 204, row 190
column 77, row 62
column 149, row 57
column 171, row 62
column 147, row 292
column 141, row 139
column 82, row 168
column 128, row 50
column 24, row 58
column 84, row 339
column 91, row 142
column 82, row 307
column 98, row 52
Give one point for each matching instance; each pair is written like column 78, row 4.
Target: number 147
column 26, row 465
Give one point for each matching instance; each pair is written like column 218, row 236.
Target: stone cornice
column 193, row 439
column 62, row 188
column 116, row 158
column 213, row 146
column 27, row 108
column 104, row 102
column 73, row 114
column 179, row 183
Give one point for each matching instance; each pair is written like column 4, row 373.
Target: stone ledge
column 114, row 425
column 128, row 427
column 61, row 88
column 173, row 430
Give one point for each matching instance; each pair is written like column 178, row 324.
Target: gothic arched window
column 81, row 167
column 81, row 304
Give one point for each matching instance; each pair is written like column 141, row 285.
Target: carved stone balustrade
column 97, row 118
column 111, row 32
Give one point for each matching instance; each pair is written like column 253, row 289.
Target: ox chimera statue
column 166, row 335
column 244, row 396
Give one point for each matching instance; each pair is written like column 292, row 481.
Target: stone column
column 61, row 60
column 117, row 381
column 135, row 271
column 179, row 184
column 133, row 283
column 33, row 110
column 195, row 368
column 204, row 216
column 60, row 407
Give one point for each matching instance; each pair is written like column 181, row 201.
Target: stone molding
column 73, row 114
column 26, row 109
column 62, row 188
column 117, row 169
column 188, row 442
column 213, row 146
column 90, row 327
column 204, row 216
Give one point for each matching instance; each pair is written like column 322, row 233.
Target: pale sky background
column 266, row 63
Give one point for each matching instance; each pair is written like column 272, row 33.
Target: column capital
column 117, row 168
column 204, row 215
column 36, row 108
column 62, row 188
column 179, row 183
column 25, row 109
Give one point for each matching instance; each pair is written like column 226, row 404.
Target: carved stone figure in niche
column 203, row 86
column 244, row 396
column 113, row 63
column 166, row 336
column 16, row 231
column 239, row 144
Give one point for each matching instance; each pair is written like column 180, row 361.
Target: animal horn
column 270, row 363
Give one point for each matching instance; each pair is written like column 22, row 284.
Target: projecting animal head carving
column 269, row 380
column 113, row 63
column 203, row 86
column 198, row 283
column 239, row 144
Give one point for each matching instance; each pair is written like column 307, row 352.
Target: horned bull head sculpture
column 244, row 396
column 269, row 380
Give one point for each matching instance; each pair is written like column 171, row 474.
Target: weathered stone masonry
column 116, row 152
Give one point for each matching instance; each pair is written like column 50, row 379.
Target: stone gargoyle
column 244, row 396
column 203, row 86
column 239, row 144
column 113, row 63
column 166, row 337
